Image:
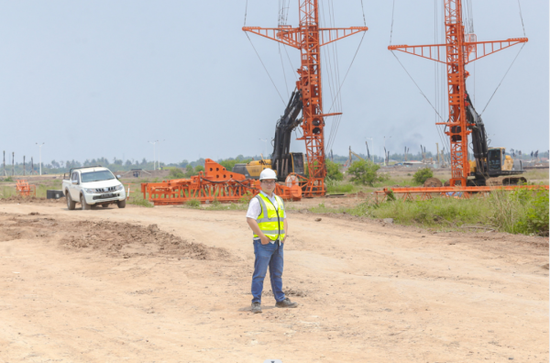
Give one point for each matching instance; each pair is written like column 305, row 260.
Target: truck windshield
column 97, row 176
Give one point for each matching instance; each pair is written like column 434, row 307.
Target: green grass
column 338, row 187
column 521, row 211
column 136, row 196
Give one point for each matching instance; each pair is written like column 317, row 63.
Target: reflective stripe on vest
column 271, row 220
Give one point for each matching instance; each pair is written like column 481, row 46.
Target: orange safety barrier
column 25, row 189
column 457, row 192
column 215, row 183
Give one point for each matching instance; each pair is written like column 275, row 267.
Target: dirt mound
column 432, row 183
column 114, row 238
column 133, row 240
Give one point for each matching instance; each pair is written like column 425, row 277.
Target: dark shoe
column 286, row 303
column 256, row 308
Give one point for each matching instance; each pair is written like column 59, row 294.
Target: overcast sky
column 102, row 78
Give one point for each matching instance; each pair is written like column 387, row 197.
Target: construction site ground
column 172, row 284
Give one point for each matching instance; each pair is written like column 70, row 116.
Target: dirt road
column 169, row 284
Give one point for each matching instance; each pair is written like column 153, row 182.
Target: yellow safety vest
column 271, row 220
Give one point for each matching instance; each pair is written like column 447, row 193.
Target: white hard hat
column 268, row 174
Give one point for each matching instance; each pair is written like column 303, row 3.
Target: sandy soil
column 169, row 284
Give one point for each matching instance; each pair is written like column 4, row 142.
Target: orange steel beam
column 216, row 183
column 308, row 37
column 456, row 54
column 436, row 52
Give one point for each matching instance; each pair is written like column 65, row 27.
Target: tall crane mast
column 458, row 50
column 308, row 37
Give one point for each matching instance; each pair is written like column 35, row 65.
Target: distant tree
column 176, row 173
column 365, row 172
column 184, row 163
column 189, row 171
column 128, row 163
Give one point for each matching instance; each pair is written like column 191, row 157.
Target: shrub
column 176, row 173
column 333, row 172
column 422, row 175
column 193, row 203
column 365, row 172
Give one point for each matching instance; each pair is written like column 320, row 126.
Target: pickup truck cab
column 93, row 186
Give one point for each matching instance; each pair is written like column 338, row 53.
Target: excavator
column 491, row 166
column 282, row 161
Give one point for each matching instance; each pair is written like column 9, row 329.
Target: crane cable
column 347, row 72
column 331, row 58
column 440, row 76
column 505, row 74
column 521, row 17
column 269, row 75
column 517, row 55
column 260, row 58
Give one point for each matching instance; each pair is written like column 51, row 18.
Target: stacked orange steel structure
column 215, row 183
column 25, row 189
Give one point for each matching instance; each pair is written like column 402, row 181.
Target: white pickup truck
column 93, row 186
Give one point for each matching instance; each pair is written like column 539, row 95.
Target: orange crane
column 458, row 50
column 309, row 37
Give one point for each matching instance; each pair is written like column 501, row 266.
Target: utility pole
column 12, row 163
column 438, row 159
column 372, row 146
column 40, row 155
column 32, row 166
column 154, row 143
column 459, row 50
column 308, row 37
column 24, row 168
column 4, row 164
column 385, row 157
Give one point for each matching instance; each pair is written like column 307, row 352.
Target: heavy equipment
column 459, row 49
column 308, row 37
column 282, row 160
column 491, row 166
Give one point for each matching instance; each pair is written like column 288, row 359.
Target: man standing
column 267, row 218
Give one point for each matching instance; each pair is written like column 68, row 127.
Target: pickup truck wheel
column 70, row 203
column 85, row 206
column 122, row 203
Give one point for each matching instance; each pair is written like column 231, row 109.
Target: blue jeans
column 269, row 255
